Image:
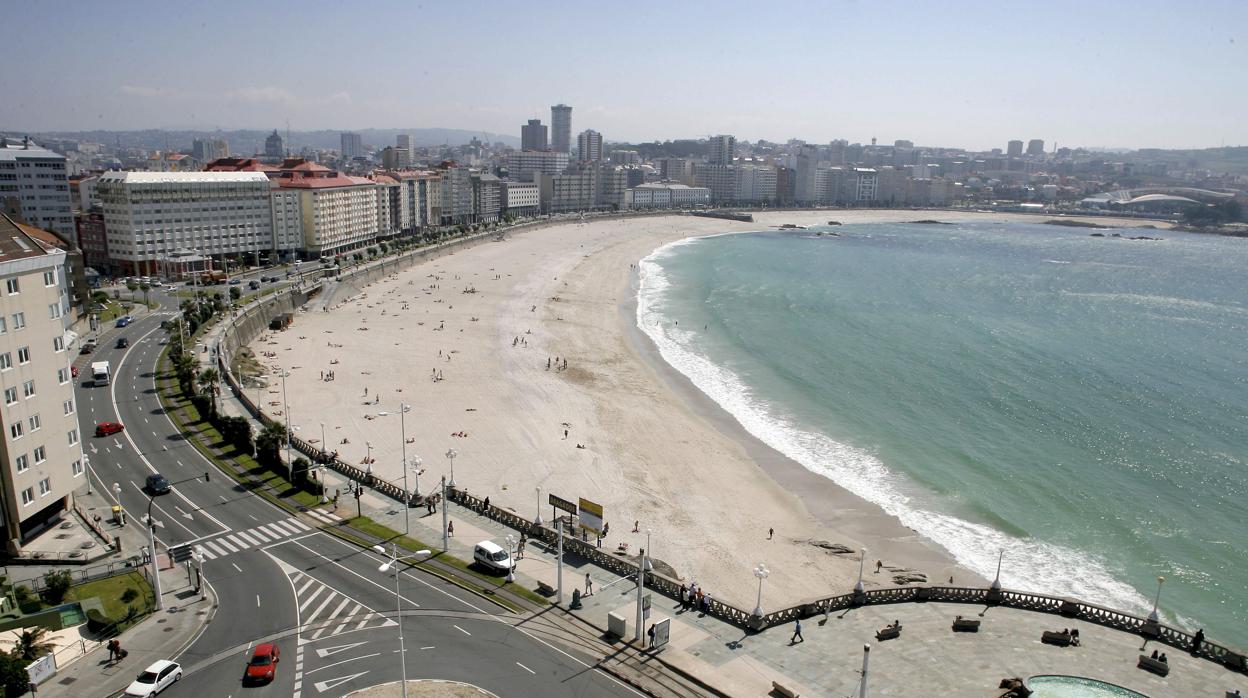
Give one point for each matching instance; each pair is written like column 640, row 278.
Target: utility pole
column 559, row 573
column 446, row 543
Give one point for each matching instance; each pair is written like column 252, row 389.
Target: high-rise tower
column 561, row 128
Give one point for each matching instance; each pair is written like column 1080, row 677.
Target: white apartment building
column 41, row 459
column 572, row 191
column 34, row 186
column 521, row 199
column 755, row 183
column 666, row 195
column 526, row 166
column 589, row 146
column 149, row 216
column 327, row 212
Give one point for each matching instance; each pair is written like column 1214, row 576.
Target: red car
column 73, row 371
column 106, row 428
column 263, row 663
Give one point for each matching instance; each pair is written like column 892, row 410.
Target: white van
column 491, row 555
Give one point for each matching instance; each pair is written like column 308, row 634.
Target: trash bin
column 116, row 513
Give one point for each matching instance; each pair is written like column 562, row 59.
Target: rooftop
column 18, row 149
column 17, row 242
column 214, row 177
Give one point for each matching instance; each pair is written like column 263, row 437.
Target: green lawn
column 110, row 590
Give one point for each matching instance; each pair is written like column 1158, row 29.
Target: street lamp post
column 858, row 588
column 199, row 568
column 866, row 656
column 407, row 526
column 996, row 582
column 86, row 464
column 324, row 450
column 1154, row 616
column 290, row 464
column 511, row 559
column 559, row 573
column 151, row 547
column 415, row 464
column 761, row 572
column 393, row 564
column 538, row 520
column 446, row 533
column 641, row 588
column 451, row 453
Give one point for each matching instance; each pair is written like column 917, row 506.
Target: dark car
column 124, row 320
column 87, row 348
column 122, row 342
column 157, row 484
column 263, row 664
column 107, row 428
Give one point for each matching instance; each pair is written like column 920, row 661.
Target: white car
column 154, row 679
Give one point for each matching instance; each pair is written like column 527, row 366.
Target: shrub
column 97, row 622
column 56, row 585
column 130, row 594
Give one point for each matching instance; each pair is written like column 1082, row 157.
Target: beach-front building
column 151, row 215
column 321, row 212
column 666, row 195
column 40, row 444
column 521, row 199
column 528, row 165
column 34, row 186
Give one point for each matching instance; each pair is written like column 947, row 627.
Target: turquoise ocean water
column 1080, row 402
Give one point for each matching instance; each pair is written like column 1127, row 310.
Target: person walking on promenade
column 450, row 529
column 589, row 585
column 797, row 633
column 878, row 565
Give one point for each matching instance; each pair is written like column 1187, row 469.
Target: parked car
column 492, row 556
column 263, row 664
column 124, row 320
column 107, row 428
column 122, row 342
column 157, row 484
column 156, row 678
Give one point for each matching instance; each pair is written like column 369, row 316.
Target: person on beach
column 771, row 533
column 589, row 585
column 878, row 565
column 636, row 527
column 797, row 633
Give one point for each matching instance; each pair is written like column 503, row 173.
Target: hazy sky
column 970, row 74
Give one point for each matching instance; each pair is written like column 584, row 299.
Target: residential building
column 521, row 199
column 151, row 215
column 677, row 170
column 625, row 157
column 807, row 189
column 561, row 123
column 41, row 455
column 755, row 184
column 161, row 161
column 321, row 212
column 209, row 149
column 92, row 239
column 526, row 165
column 569, row 191
column 533, row 136
column 456, row 194
column 1035, row 147
column 34, row 186
column 352, row 145
column 403, row 150
column 589, row 146
column 487, row 197
column 720, row 150
column 389, row 203
column 87, row 196
column 273, row 148
column 1014, row 149
column 666, row 195
column 612, row 183
column 719, row 179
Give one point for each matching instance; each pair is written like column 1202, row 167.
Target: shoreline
column 641, row 438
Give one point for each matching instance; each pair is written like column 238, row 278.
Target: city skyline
column 963, row 81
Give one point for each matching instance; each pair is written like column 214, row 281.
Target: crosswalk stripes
column 325, row 516
column 257, row 535
column 325, row 612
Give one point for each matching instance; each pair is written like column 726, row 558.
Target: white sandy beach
column 655, row 450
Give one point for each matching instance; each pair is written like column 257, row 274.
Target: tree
column 269, row 443
column 208, row 379
column 56, row 584
column 235, row 294
column 13, row 675
column 147, row 293
column 31, row 644
column 132, row 286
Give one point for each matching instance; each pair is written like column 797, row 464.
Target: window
column 28, row 496
column 4, row 326
column 12, row 286
column 6, row 361
column 10, row 396
column 22, row 463
column 76, row 467
column 23, row 355
column 49, row 278
column 54, row 310
column 19, row 320
column 17, row 430
column 69, row 406
column 62, row 375
column 58, row 344
column 28, row 388
column 35, row 423
column 41, row 454
column 45, row 487
column 73, row 436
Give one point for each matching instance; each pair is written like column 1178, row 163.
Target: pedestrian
column 684, row 596
column 771, row 533
column 606, row 528
column 112, row 652
column 636, row 526
column 1197, row 640
column 797, row 633
column 878, row 565
column 485, row 507
column 450, row 529
column 650, row 634
column 565, row 434
column 589, row 585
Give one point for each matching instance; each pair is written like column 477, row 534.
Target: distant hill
column 248, row 141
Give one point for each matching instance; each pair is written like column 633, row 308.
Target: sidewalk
column 162, row 635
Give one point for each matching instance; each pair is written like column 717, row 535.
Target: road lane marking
column 322, row 686
column 430, row 647
column 526, row 668
column 461, row 630
column 345, row 661
column 257, row 601
column 236, row 567
column 329, row 651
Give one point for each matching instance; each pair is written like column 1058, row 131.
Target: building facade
column 352, row 146
column 487, row 197
column 666, row 195
column 151, row 215
column 34, row 186
column 92, row 239
column 41, row 445
column 527, row 165
column 521, row 199
column 209, row 149
column 320, row 212
column 561, row 125
column 273, row 146
column 589, row 146
column 720, row 149
column 533, row 135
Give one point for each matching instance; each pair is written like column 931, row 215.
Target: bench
column 1059, row 639
column 545, row 589
column 889, row 633
column 779, row 690
column 962, row 625
column 1156, row 666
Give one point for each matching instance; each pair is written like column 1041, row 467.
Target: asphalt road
column 330, row 609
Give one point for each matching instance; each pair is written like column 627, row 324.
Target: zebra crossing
column 325, row 612
column 257, row 535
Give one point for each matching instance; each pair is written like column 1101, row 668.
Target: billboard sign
column 590, row 515
column 662, row 633
column 562, row 504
